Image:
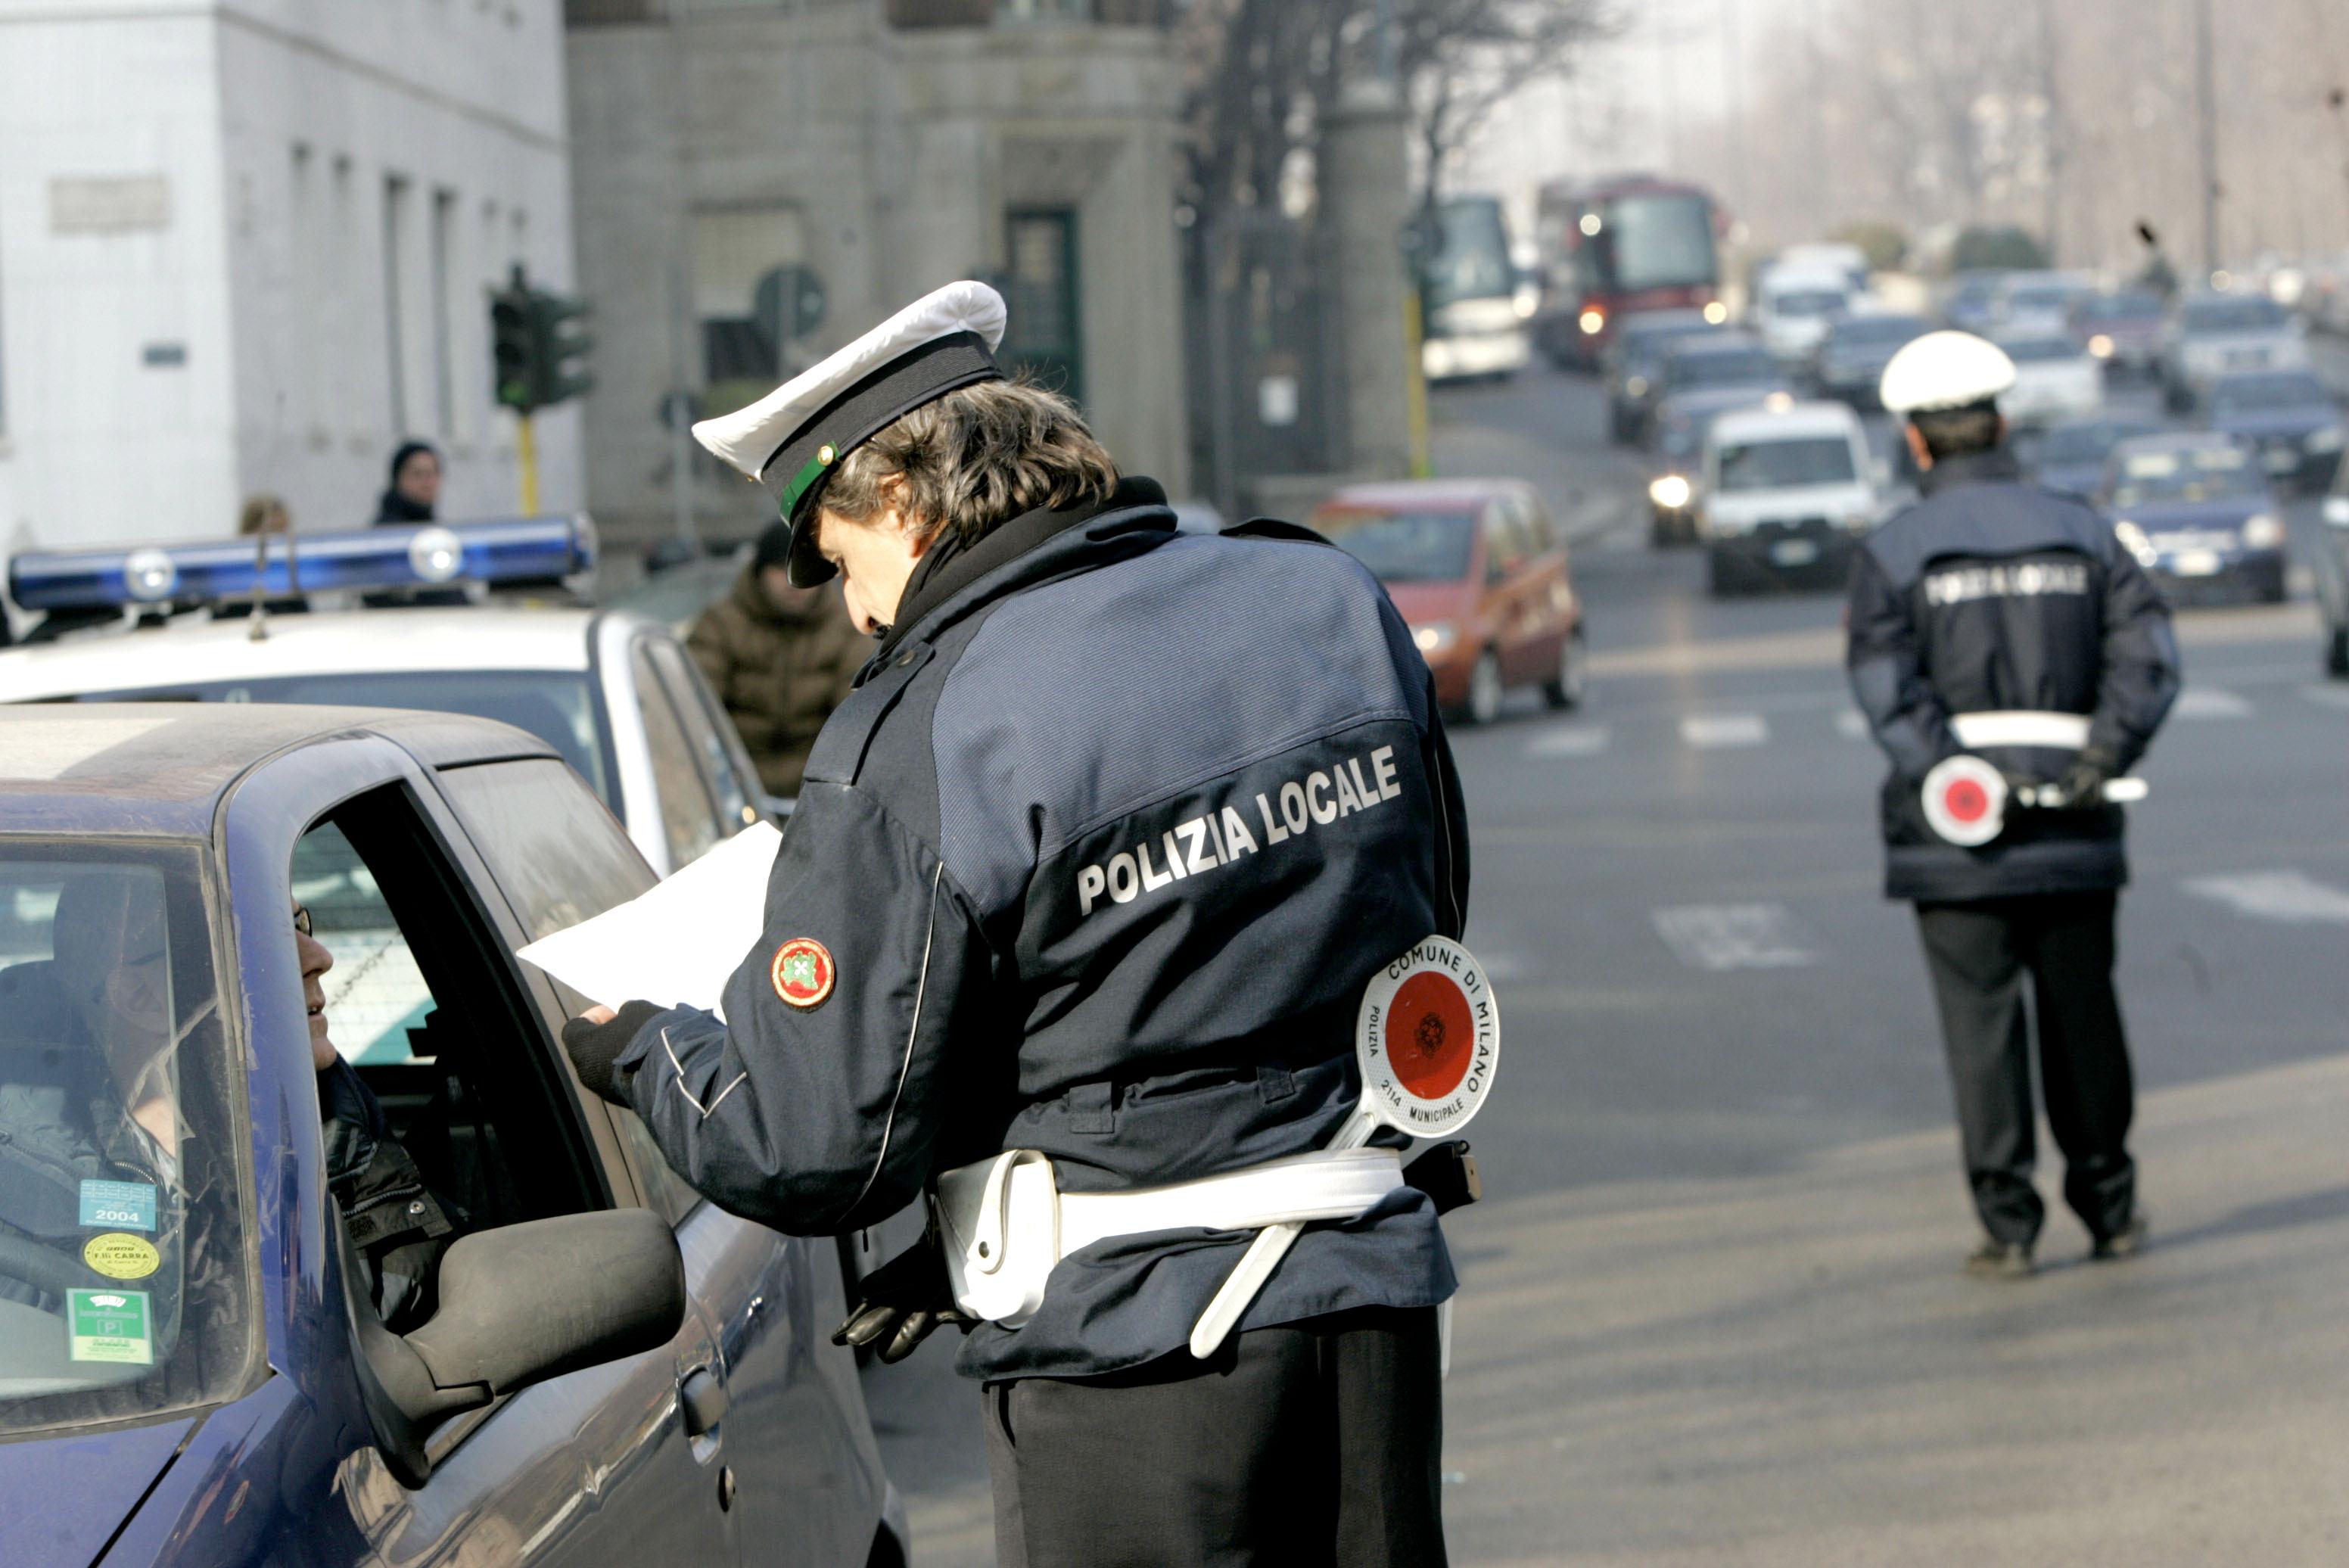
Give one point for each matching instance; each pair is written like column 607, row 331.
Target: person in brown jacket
column 780, row 658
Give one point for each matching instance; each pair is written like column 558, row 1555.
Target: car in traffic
column 1478, row 572
column 2068, row 455
column 2121, row 330
column 1849, row 365
column 2215, row 335
column 2195, row 509
column 2332, row 571
column 1702, row 378
column 2038, row 302
column 1970, row 301
column 1791, row 310
column 199, row 1369
column 2054, row 378
column 1633, row 364
column 1787, row 495
column 2289, row 415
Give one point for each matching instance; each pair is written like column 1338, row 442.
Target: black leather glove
column 902, row 1301
column 594, row 1048
column 2082, row 783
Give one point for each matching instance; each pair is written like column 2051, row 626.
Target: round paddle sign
column 1427, row 1038
column 1965, row 800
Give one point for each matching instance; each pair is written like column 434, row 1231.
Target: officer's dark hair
column 1957, row 432
column 977, row 458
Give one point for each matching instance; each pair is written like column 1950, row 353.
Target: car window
column 2040, row 350
column 1784, row 464
column 560, row 858
column 479, row 1104
column 1541, row 534
column 1504, row 543
column 703, row 734
column 2186, row 474
column 375, row 992
column 688, row 817
column 123, row 1236
column 1403, row 546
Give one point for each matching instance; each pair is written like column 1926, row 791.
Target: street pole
column 526, row 462
column 680, row 436
column 2206, row 105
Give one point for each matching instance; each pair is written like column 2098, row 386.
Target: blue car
column 260, row 1304
column 2289, row 416
column 2069, row 455
column 2195, row 510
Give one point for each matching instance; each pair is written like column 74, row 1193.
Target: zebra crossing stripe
column 1717, row 937
column 1851, row 724
column 1718, row 731
column 2327, row 696
column 1575, row 740
column 2289, row 897
column 2210, row 702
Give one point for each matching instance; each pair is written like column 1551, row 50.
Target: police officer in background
column 1093, row 867
column 1998, row 618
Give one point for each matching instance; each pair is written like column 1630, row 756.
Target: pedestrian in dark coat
column 414, row 493
column 2001, row 619
column 780, row 658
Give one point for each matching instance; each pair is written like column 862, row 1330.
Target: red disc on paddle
column 1967, row 800
column 1430, row 1034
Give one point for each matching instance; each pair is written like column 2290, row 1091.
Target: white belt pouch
column 1006, row 1221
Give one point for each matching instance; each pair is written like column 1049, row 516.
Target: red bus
column 1617, row 246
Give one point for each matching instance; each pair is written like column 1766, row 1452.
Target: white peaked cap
column 1945, row 370
column 752, row 440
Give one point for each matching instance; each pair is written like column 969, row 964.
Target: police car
column 194, row 1367
column 613, row 692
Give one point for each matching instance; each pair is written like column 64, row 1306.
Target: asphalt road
column 1712, row 1312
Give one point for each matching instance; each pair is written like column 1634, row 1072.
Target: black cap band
column 880, row 398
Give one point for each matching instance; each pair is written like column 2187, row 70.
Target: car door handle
column 702, row 1399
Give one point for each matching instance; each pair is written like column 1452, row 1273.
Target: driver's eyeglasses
column 301, row 920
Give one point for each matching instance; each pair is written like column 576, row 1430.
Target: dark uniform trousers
column 1306, row 1445
column 1979, row 953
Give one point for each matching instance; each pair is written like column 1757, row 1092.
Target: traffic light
column 539, row 355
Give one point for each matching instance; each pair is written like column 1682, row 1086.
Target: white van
column 1792, row 308
column 1787, row 494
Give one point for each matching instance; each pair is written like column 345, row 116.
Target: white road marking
column 1852, row 724
column 1574, row 740
column 1715, row 731
column 1721, row 936
column 2210, row 702
column 2327, row 696
column 2291, row 898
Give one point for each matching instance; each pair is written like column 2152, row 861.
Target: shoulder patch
column 802, row 972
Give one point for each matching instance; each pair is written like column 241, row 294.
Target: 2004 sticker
column 119, row 1256
column 122, row 1205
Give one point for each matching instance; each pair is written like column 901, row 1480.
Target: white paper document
column 679, row 943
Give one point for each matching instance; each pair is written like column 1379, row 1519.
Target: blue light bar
column 425, row 555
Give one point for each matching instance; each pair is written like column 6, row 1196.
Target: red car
column 1478, row 571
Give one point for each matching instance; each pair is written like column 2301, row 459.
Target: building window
column 444, row 321
column 395, row 227
column 745, row 264
column 1041, row 289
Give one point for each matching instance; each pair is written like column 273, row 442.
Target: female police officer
column 1094, row 866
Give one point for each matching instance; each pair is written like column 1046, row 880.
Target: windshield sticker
column 119, row 1205
column 109, row 1326
column 119, row 1256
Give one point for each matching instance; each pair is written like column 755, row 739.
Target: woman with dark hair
column 415, row 485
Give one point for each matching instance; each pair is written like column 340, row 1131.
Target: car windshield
column 1403, row 546
column 2040, row 350
column 554, row 705
column 1785, row 464
column 2187, row 474
column 1874, row 331
column 2245, row 314
column 2236, row 394
column 2120, row 308
column 1809, row 302
column 1731, row 367
column 122, row 1232
column 2086, row 443
column 1471, row 253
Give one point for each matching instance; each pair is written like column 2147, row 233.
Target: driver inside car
column 394, row 1221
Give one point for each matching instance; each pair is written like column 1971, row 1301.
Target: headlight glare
column 1671, row 492
column 2262, row 532
column 1436, row 637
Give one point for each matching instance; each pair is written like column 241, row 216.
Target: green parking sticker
column 109, row 1326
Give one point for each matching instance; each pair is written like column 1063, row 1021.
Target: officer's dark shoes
column 2125, row 1242
column 2001, row 1260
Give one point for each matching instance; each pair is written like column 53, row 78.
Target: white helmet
column 1945, row 370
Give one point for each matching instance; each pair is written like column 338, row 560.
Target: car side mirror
column 518, row 1305
column 2336, row 511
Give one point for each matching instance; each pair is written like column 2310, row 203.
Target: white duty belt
column 2021, row 726
column 1006, row 1221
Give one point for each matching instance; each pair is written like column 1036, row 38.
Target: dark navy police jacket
column 1993, row 594
column 1103, row 852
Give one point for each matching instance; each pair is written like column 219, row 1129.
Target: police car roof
column 161, row 769
column 341, row 642
column 1425, row 495
column 1796, row 421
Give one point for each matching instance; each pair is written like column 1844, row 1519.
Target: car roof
column 343, row 642
column 1425, row 495
column 1791, row 423
column 1788, row 280
column 161, row 769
